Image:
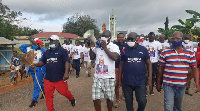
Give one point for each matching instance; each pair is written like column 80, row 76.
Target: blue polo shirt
column 121, row 46
column 55, row 63
column 134, row 65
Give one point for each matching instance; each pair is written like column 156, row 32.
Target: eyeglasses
column 176, row 38
column 131, row 39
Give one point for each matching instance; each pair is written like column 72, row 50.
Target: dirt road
column 19, row 99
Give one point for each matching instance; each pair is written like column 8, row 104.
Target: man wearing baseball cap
column 57, row 68
column 37, row 46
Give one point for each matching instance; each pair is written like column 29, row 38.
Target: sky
column 140, row 16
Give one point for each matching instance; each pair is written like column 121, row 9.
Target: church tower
column 112, row 25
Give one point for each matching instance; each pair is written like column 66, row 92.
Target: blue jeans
column 140, row 94
column 12, row 76
column 76, row 65
column 173, row 97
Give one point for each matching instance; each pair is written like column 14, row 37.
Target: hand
column 33, row 65
column 103, row 44
column 158, row 87
column 66, row 76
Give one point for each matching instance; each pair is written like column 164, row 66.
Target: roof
column 59, row 34
column 21, row 37
column 4, row 41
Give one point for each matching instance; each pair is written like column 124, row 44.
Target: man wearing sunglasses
column 134, row 59
column 173, row 67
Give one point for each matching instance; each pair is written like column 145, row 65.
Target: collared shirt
column 55, row 63
column 134, row 65
column 120, row 48
column 176, row 66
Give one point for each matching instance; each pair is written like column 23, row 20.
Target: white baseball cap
column 54, row 37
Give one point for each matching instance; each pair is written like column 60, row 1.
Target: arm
column 92, row 54
column 113, row 55
column 149, row 65
column 39, row 64
column 66, row 75
column 159, row 77
column 23, row 47
column 195, row 74
column 120, row 72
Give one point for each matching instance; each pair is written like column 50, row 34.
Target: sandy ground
column 18, row 99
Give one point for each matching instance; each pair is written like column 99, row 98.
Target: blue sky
column 141, row 16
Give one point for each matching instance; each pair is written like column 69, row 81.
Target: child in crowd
column 12, row 72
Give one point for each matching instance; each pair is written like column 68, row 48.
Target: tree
column 79, row 24
column 7, row 20
column 188, row 26
column 167, row 32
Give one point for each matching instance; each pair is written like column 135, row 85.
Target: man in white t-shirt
column 187, row 43
column 77, row 53
column 87, row 61
column 69, row 48
column 104, row 77
column 163, row 42
column 153, row 48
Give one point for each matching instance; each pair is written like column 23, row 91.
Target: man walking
column 57, row 69
column 134, row 57
column 104, row 81
column 173, row 66
column 153, row 48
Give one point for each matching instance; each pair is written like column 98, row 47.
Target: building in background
column 44, row 36
column 112, row 25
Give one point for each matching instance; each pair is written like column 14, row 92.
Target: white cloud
column 141, row 16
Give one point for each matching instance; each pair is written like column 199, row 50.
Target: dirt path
column 20, row 98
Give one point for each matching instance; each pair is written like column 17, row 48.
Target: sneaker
column 33, row 104
column 151, row 93
column 77, row 76
column 42, row 97
column 11, row 83
column 73, row 102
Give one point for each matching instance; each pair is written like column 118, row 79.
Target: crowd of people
column 135, row 63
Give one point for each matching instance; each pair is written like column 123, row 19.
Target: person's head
column 67, row 42
column 176, row 39
column 106, row 35
column 151, row 36
column 77, row 42
column 142, row 35
column 132, row 39
column 15, row 53
column 37, row 44
column 54, row 42
column 101, row 61
column 87, row 44
column 186, row 38
column 120, row 37
column 162, row 38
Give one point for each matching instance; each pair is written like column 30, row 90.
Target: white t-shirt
column 189, row 45
column 77, row 51
column 165, row 45
column 86, row 53
column 153, row 48
column 105, row 67
column 68, row 48
column 37, row 53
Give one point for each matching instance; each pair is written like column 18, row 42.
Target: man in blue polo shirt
column 57, row 69
column 133, row 60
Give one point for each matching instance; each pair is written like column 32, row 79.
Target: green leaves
column 79, row 24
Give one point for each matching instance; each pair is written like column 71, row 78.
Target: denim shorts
column 103, row 88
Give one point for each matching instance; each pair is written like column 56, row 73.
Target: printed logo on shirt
column 134, row 60
column 52, row 60
column 101, row 68
column 151, row 51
